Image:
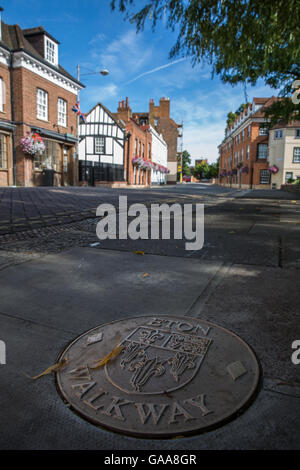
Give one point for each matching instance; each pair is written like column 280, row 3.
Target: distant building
column 244, row 152
column 36, row 96
column 101, row 149
column 138, row 146
column 159, row 118
column 159, row 158
column 284, row 153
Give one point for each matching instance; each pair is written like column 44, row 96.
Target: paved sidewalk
column 58, row 281
column 47, row 302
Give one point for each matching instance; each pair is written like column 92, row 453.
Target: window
column 249, row 130
column 263, row 130
column 278, row 134
column 143, row 150
column 3, row 151
column 297, row 133
column 296, row 158
column 264, row 177
column 242, row 154
column 50, row 51
column 140, row 149
column 149, row 150
column 288, row 176
column 243, row 135
column 248, row 151
column 100, row 145
column 2, row 95
column 156, row 122
column 262, row 151
column 41, row 104
column 62, row 112
column 50, row 158
column 135, row 147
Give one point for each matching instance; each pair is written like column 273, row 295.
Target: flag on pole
column 76, row 109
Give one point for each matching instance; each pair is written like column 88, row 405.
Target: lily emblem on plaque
column 155, row 361
column 173, row 376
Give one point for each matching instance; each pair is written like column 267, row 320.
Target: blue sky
column 139, row 65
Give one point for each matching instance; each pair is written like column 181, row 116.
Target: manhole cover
column 174, row 376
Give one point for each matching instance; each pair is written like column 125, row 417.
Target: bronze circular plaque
column 158, row 376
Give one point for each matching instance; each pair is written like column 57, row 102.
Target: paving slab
column 85, row 287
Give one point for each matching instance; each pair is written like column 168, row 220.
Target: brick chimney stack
column 164, row 104
column 124, row 110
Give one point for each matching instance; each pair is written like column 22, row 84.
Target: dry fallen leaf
column 145, row 274
column 55, row 368
column 137, row 252
column 115, row 352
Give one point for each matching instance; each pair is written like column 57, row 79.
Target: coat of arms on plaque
column 150, row 354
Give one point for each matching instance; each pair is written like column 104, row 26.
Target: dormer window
column 51, row 53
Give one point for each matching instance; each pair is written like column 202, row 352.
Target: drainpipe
column 128, row 135
column 12, row 104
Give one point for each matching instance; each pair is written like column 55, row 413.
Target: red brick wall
column 5, row 75
column 166, row 126
column 254, row 166
column 25, row 85
column 145, row 138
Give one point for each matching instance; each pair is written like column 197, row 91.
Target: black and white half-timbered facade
column 101, row 148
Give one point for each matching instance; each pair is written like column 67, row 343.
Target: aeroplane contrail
column 155, row 70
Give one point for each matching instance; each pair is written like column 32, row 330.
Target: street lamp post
column 103, row 72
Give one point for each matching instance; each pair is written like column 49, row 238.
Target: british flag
column 76, row 109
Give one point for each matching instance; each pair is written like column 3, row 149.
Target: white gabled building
column 159, row 158
column 101, row 149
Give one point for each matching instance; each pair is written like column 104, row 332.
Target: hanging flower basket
column 32, row 144
column 146, row 165
column 137, row 161
column 244, row 169
column 273, row 169
column 240, row 164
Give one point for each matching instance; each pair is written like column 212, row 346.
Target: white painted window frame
column 62, row 112
column 41, row 103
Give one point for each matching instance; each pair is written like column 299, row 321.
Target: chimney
column 164, row 104
column 124, row 112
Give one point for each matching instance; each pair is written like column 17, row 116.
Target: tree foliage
column 242, row 40
column 206, row 170
column 186, row 160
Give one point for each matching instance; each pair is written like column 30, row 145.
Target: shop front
column 6, row 155
column 56, row 165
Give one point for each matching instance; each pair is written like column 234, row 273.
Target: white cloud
column 123, row 56
column 93, row 94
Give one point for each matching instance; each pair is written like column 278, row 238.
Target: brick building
column 159, row 118
column 36, row 95
column 244, row 151
column 138, row 146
